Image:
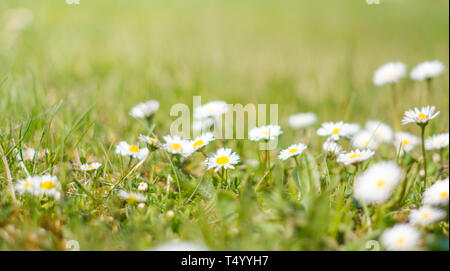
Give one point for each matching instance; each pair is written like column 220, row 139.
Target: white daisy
column 144, row 110
column 27, row 155
column 202, row 124
column 426, row 215
column 420, row 116
column 90, row 166
column 405, row 141
column 149, row 140
column 213, row 109
column 427, row 70
column 375, row 185
column 330, row 146
column 436, row 194
column 223, row 158
column 29, row 185
column 125, row 149
column 355, row 156
column 50, row 186
column 334, row 130
column 201, row 141
column 176, row 145
column 302, row 120
column 131, row 196
column 401, row 237
column 365, row 140
column 437, row 142
column 352, row 128
column 292, row 151
column 389, row 73
column 268, row 132
column 143, row 186
column 380, row 130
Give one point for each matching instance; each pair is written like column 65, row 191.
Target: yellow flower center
column 198, row 143
column 422, row 116
column 222, row 160
column 153, row 140
column 355, row 155
column 391, row 75
column 443, row 195
column 48, row 185
column 266, row 133
column 27, row 156
column 90, row 166
column 132, row 197
column 294, row 150
column 27, row 184
column 336, row 131
column 381, row 183
column 175, row 146
column 400, row 240
column 425, row 215
column 133, row 148
column 405, row 142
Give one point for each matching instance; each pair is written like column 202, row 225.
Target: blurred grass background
column 304, row 55
column 106, row 56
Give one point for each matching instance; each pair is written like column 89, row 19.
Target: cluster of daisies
column 392, row 72
column 407, row 236
column 374, row 186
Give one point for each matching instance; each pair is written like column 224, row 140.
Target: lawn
column 70, row 74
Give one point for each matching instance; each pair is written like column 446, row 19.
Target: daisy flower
column 202, row 124
column 426, row 215
column 144, row 110
column 125, row 149
column 334, row 130
column 436, row 194
column 330, row 146
column 149, row 140
column 406, row 141
column 302, row 120
column 268, row 132
column 50, row 186
column 365, row 140
column 375, row 185
column 401, row 237
column 201, row 141
column 28, row 185
column 131, row 197
column 380, row 130
column 437, row 142
column 223, row 158
column 420, row 116
column 213, row 109
column 355, row 156
column 427, row 70
column 292, row 151
column 389, row 73
column 352, row 128
column 176, row 145
column 143, row 186
column 90, row 166
column 27, row 155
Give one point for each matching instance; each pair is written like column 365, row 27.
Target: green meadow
column 70, row 77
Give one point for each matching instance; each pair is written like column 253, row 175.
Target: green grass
column 70, row 79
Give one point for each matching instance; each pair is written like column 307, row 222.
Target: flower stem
column 424, row 154
column 394, row 107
